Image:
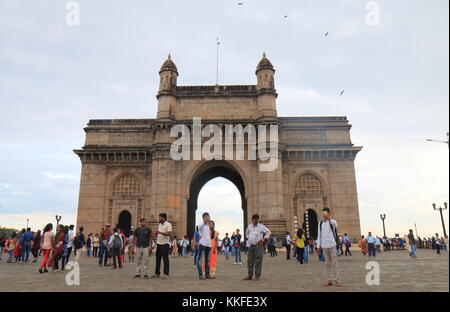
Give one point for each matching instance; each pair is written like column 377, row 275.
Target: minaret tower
column 167, row 89
column 266, row 89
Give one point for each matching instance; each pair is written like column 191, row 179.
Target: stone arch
column 201, row 174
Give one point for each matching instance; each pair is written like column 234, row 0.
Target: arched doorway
column 211, row 170
column 310, row 223
column 125, row 222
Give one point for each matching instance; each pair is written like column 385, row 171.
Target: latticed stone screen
column 308, row 185
column 126, row 185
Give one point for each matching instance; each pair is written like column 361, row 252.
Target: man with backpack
column 326, row 243
column 78, row 243
column 116, row 246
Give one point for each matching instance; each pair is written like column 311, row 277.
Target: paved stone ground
column 429, row 272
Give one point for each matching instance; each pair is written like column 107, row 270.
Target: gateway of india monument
column 127, row 170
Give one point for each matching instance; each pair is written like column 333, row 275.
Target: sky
column 393, row 66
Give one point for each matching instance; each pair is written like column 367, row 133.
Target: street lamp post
column 383, row 217
column 442, row 217
column 58, row 218
column 27, row 222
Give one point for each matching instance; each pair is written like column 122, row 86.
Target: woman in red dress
column 58, row 246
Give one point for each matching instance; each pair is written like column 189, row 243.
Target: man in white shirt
column 326, row 241
column 70, row 237
column 257, row 234
column 204, row 246
column 288, row 242
column 162, row 246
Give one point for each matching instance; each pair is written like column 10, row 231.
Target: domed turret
column 168, row 74
column 169, row 65
column 264, row 63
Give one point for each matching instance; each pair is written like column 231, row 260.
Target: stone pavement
column 429, row 272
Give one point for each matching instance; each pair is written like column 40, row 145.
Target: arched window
column 308, row 185
column 126, row 185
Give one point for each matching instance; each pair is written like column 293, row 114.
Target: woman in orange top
column 363, row 245
column 214, row 251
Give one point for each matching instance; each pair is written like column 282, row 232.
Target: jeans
column 195, row 255
column 372, row 251
column 103, row 255
column 88, row 251
column 162, row 251
column 116, row 255
column 347, row 250
column 305, row 255
column 300, row 254
column 203, row 249
column 10, row 256
column 233, row 251
column 288, row 252
column 413, row 250
column 183, row 252
column 227, row 252
column 238, row 253
column 26, row 248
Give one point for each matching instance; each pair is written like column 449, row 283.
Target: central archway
column 125, row 222
column 204, row 174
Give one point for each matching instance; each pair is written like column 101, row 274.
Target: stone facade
column 128, row 173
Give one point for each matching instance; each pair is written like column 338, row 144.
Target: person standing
column 412, row 243
column 226, row 242
column 58, row 245
column 196, row 239
column 89, row 245
column 116, row 245
column 162, row 246
column 184, row 246
column 143, row 240
column 36, row 245
column 12, row 244
column 287, row 244
column 347, row 244
column 78, row 242
column 326, row 242
column 214, row 250
column 103, row 251
column 237, row 246
column 204, row 246
column 257, row 233
column 437, row 243
column 377, row 245
column 70, row 234
column 131, row 247
column 371, row 244
column 27, row 239
column 363, row 245
column 300, row 245
column 95, row 245
column 47, row 242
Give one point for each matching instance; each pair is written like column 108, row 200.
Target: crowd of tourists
column 112, row 248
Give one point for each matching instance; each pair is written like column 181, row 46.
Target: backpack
column 77, row 242
column 117, row 243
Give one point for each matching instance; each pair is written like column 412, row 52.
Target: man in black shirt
column 142, row 236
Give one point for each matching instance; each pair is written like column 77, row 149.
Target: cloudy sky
column 55, row 77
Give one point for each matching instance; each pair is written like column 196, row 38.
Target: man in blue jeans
column 371, row 243
column 412, row 243
column 27, row 238
column 104, row 239
column 204, row 246
column 237, row 246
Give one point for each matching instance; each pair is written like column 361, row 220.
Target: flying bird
column 342, row 92
column 240, row 3
column 326, row 34
column 286, row 16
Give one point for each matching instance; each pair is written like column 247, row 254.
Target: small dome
column 264, row 63
column 169, row 65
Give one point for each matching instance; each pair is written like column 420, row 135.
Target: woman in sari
column 214, row 251
column 36, row 245
column 58, row 246
column 363, row 245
